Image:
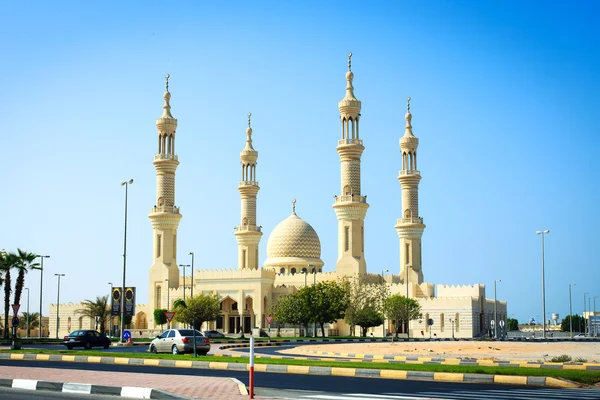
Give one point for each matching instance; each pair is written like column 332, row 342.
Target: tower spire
column 248, row 234
column 164, row 216
column 410, row 227
column 351, row 206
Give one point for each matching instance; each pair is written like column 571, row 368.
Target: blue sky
column 505, row 103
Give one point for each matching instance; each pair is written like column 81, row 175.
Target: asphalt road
column 20, row 394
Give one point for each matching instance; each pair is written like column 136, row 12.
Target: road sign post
column 269, row 319
column 251, row 367
column 15, row 308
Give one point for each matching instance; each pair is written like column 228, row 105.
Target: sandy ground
column 519, row 351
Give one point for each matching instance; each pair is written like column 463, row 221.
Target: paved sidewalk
column 193, row 387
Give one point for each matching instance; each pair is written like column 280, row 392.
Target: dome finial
column 249, row 133
column 408, row 105
column 167, row 97
column 167, row 76
column 408, row 117
column 249, row 115
column 350, row 61
column 294, row 206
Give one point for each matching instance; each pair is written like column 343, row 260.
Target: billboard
column 115, row 309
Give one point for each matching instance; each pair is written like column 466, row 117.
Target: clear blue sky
column 505, row 104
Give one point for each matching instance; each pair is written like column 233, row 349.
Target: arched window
column 293, row 271
column 304, row 271
column 282, row 271
column 456, row 322
column 245, row 221
column 158, row 298
column 234, row 306
column 442, row 322
column 347, row 190
column 427, row 327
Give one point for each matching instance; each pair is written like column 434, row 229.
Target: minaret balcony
column 248, row 183
column 410, row 220
column 351, row 199
column 166, row 157
column 165, row 209
column 248, row 228
column 342, row 142
column 405, row 172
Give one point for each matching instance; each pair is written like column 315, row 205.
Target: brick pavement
column 194, row 387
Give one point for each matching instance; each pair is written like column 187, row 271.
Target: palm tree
column 26, row 261
column 34, row 321
column 7, row 262
column 96, row 309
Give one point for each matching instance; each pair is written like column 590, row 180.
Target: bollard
column 251, row 367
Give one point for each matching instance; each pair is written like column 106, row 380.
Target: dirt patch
column 515, row 351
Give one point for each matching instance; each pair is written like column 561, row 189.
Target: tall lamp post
column 406, row 283
column 27, row 332
column 496, row 310
column 570, row 311
column 41, row 280
column 382, row 295
column 314, row 272
column 184, row 266
column 168, row 302
column 126, row 184
column 192, row 286
column 110, row 298
column 584, row 321
column 452, row 321
column 543, row 233
column 595, row 322
column 58, row 302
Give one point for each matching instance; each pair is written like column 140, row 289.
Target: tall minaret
column 164, row 215
column 247, row 233
column 410, row 227
column 350, row 206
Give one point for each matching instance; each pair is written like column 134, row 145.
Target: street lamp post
column 496, row 310
column 192, row 286
column 382, row 295
column 595, row 323
column 58, row 302
column 184, row 266
column 584, row 321
column 589, row 317
column 543, row 233
column 408, row 319
column 452, row 322
column 570, row 311
column 168, row 302
column 314, row 272
column 41, row 280
column 110, row 298
column 27, row 332
column 126, row 184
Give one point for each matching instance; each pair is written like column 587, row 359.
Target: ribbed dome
column 293, row 241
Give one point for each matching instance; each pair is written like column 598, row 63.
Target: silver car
column 179, row 341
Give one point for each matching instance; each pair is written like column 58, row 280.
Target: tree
column 34, row 321
column 159, row 317
column 328, row 302
column 198, row 309
column 292, row 309
column 512, row 324
column 402, row 309
column 366, row 318
column 96, row 309
column 7, row 262
column 365, row 296
column 25, row 262
column 565, row 326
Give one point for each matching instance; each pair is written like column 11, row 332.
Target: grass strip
column 585, row 377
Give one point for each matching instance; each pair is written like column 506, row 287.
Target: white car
column 179, row 341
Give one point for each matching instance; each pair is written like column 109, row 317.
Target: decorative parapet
column 172, row 157
column 355, row 198
column 248, row 183
column 477, row 290
column 343, row 142
column 408, row 173
column 222, row 274
column 410, row 220
column 248, row 228
column 165, row 209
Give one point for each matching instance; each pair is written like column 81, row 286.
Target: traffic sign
column 169, row 315
column 269, row 319
column 15, row 322
column 15, row 308
column 126, row 335
column 492, row 322
column 501, row 323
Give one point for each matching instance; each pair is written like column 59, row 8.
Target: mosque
column 294, row 250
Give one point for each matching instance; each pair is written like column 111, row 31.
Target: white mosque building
column 249, row 291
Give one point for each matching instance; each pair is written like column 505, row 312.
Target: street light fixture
column 496, row 311
column 192, row 287
column 58, row 302
column 27, row 332
column 111, row 319
column 382, row 295
column 126, row 184
column 570, row 311
column 184, row 266
column 543, row 233
column 41, row 280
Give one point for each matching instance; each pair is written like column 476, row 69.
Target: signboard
column 15, row 322
column 126, row 335
column 169, row 315
column 430, row 321
column 501, row 323
column 269, row 319
column 115, row 309
column 115, row 306
column 15, row 308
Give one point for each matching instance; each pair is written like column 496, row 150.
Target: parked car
column 213, row 334
column 581, row 335
column 179, row 341
column 87, row 339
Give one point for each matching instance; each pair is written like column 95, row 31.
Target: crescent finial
column 167, row 76
column 350, row 61
column 408, row 104
column 249, row 115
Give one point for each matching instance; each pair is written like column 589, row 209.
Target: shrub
column 562, row 359
column 581, row 360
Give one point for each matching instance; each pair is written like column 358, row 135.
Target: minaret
column 410, row 227
column 350, row 206
column 164, row 216
column 247, row 233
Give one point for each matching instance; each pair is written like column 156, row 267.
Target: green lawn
column 585, row 377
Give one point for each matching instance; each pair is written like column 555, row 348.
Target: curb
column 304, row 370
column 82, row 388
